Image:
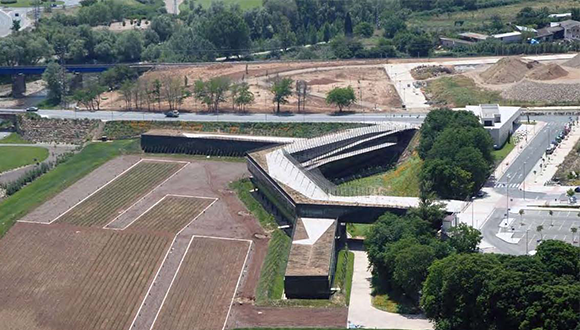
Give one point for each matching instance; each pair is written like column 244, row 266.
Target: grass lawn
column 14, row 157
column 499, row 155
column 56, row 180
column 357, row 229
column 297, row 329
column 459, row 91
column 385, row 302
column 343, row 275
column 14, row 138
column 474, row 19
column 401, row 181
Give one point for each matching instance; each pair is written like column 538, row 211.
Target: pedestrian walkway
column 362, row 313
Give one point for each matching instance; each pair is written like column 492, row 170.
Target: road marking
column 237, row 285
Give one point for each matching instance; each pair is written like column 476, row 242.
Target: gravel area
column 538, row 92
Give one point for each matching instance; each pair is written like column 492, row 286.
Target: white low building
column 498, row 120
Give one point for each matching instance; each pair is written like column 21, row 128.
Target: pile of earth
column 573, row 62
column 547, row 72
column 532, row 91
column 424, row 72
column 507, row 70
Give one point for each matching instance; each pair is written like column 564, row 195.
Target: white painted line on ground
column 94, row 192
column 190, row 196
column 171, row 284
column 142, row 198
column 152, row 283
column 165, row 160
column 225, row 238
column 197, row 216
column 139, row 216
column 237, row 284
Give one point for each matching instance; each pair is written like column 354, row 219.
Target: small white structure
column 499, row 121
column 509, row 37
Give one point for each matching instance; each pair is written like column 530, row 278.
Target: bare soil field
column 136, row 273
column 105, row 204
column 372, row 82
column 67, row 277
column 214, row 265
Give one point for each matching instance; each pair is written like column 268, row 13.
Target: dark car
column 31, row 109
column 172, row 114
column 577, row 189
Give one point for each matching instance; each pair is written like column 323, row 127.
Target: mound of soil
column 573, row 62
column 322, row 81
column 507, row 70
column 547, row 72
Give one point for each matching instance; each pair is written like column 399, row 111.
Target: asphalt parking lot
column 556, row 226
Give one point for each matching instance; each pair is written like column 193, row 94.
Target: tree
column 341, row 97
column 90, row 97
column 302, row 89
column 228, row 31
column 348, row 25
column 285, row 35
column 464, row 238
column 163, row 26
column 129, row 46
column 53, row 78
column 570, row 192
column 326, row 32
column 15, row 25
column 364, row 29
column 244, row 96
column 559, row 257
column 539, row 230
column 282, row 89
column 186, row 45
column 212, row 92
column 410, row 268
column 392, row 24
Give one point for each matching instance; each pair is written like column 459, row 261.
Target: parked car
column 172, row 114
column 31, row 109
column 577, row 189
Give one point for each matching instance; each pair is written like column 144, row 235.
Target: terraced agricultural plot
column 203, row 289
column 172, row 213
column 106, row 204
column 62, row 277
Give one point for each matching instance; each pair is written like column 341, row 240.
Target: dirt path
column 172, row 6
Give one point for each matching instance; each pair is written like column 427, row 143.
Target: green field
column 56, row 180
column 473, row 20
column 459, row 91
column 14, row 138
column 499, row 155
column 14, row 157
column 27, row 3
column 343, row 275
column 401, row 181
column 244, row 4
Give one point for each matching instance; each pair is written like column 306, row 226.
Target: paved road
column 5, row 24
column 229, row 117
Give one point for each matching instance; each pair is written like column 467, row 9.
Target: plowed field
column 107, row 203
column 64, row 277
column 202, row 291
column 172, row 213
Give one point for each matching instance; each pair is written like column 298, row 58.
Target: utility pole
column 524, row 175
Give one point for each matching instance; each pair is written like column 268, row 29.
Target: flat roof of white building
column 487, row 110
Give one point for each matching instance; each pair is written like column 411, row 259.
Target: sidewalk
column 543, row 171
column 361, row 311
column 531, row 131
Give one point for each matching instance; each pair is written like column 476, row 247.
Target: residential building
column 571, row 29
column 510, row 37
column 453, row 43
column 472, row 36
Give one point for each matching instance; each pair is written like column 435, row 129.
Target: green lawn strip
column 384, row 303
column 14, row 138
column 502, row 153
column 300, row 329
column 28, row 3
column 357, row 229
column 132, row 129
column 14, row 157
column 460, row 91
column 244, row 4
column 199, row 157
column 271, row 283
column 344, row 272
column 400, row 181
column 56, row 180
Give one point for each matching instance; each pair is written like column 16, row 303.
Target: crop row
column 172, row 214
column 201, row 294
column 108, row 202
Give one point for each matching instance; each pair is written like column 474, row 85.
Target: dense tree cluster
column 457, row 153
column 488, row 291
column 401, row 248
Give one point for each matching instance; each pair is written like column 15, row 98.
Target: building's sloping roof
column 473, row 35
column 505, row 35
column 567, row 24
column 547, row 31
column 311, row 251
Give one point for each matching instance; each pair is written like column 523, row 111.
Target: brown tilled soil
column 547, row 72
column 227, row 217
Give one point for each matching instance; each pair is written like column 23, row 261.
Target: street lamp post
column 524, row 175
column 527, row 230
column 472, row 207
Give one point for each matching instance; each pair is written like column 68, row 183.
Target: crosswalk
column 503, row 185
